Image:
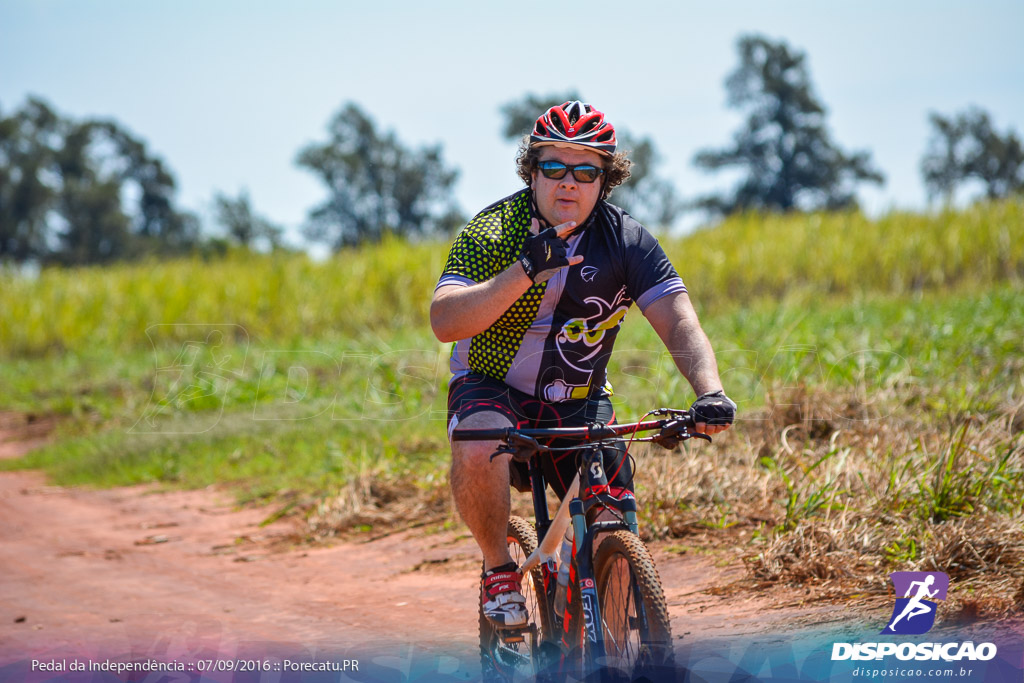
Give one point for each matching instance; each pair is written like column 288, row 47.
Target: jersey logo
column 588, row 273
column 579, row 342
column 590, row 331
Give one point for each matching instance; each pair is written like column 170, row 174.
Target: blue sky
column 228, row 91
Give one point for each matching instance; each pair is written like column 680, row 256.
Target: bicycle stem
column 549, row 544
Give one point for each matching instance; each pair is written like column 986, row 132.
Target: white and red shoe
column 503, row 602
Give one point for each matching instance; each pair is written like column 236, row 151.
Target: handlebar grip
column 480, row 434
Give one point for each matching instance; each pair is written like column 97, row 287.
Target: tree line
column 76, row 192
column 79, row 192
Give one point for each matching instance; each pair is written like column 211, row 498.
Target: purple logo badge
column 916, row 593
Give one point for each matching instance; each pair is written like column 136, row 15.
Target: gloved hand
column 543, row 255
column 713, row 409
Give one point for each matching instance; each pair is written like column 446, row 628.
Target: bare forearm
column 675, row 321
column 691, row 350
column 462, row 312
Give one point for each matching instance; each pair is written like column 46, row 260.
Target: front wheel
column 637, row 634
column 508, row 659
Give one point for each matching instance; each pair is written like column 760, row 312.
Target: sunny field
column 878, row 367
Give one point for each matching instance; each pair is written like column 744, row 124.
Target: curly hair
column 616, row 171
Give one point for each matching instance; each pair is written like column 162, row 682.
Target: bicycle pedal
column 513, row 636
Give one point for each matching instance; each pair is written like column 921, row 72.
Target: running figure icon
column 916, row 609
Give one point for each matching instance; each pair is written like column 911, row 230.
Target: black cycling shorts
column 475, row 393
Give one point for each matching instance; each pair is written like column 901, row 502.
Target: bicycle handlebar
column 679, row 426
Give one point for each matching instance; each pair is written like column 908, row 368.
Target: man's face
column 567, row 199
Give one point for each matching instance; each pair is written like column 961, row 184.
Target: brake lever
column 520, row 447
column 675, row 432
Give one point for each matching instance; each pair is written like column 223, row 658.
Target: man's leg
column 480, row 487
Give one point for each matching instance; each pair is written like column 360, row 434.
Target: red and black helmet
column 575, row 123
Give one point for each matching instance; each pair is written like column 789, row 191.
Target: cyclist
column 533, row 294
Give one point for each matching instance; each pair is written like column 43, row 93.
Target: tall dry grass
column 818, row 493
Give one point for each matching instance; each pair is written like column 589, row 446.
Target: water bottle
column 564, row 560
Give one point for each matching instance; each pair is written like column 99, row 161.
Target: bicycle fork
column 583, row 552
column 589, row 606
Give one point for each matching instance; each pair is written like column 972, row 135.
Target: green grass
column 935, row 355
column 964, row 348
column 260, row 462
column 755, row 256
column 249, row 298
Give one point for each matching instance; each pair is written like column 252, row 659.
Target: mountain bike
column 592, row 613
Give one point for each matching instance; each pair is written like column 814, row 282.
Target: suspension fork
column 594, row 477
column 589, row 607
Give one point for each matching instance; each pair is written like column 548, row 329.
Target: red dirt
column 133, row 570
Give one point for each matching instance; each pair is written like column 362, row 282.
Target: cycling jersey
column 555, row 340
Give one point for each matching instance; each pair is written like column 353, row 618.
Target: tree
column 965, row 147
column 376, row 185
column 76, row 192
column 28, row 139
column 790, row 160
column 242, row 224
column 649, row 197
column 115, row 200
column 156, row 217
column 646, row 196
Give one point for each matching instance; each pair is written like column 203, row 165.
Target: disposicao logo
column 914, row 614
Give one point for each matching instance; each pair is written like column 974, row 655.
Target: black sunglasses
column 583, row 173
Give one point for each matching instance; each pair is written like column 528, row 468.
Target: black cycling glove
column 713, row 408
column 543, row 254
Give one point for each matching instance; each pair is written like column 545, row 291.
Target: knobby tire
column 637, row 633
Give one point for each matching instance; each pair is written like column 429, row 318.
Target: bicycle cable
column 626, row 454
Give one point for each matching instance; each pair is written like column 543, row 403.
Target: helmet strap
column 535, row 211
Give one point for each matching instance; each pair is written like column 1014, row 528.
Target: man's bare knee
column 475, row 456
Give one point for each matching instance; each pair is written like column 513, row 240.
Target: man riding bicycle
column 533, row 294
